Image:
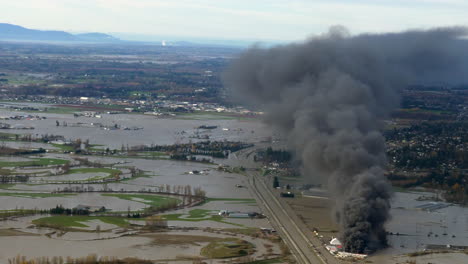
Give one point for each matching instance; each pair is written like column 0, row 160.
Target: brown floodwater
column 217, row 184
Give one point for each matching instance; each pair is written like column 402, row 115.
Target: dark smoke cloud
column 329, row 96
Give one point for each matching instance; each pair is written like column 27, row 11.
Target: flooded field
column 57, row 178
column 414, row 229
column 14, row 200
column 115, row 187
column 442, row 226
column 141, row 246
column 151, row 130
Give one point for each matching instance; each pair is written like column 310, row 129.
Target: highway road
column 299, row 239
column 303, row 245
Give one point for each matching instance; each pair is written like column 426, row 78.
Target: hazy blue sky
column 233, row 19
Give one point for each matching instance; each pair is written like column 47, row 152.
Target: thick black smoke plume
column 330, row 95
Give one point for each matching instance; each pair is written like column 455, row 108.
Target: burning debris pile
column 329, row 96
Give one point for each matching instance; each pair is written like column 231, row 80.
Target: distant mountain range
column 18, row 33
column 10, row 32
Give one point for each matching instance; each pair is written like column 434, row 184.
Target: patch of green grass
column 64, row 147
column 198, row 215
column 5, row 186
column 60, row 221
column 36, row 195
column 181, row 217
column 62, row 110
column 20, row 212
column 111, row 173
column 22, row 80
column 94, row 170
column 206, row 115
column 63, row 221
column 33, row 162
column 96, row 147
column 118, row 221
column 149, row 199
column 143, row 174
column 176, row 217
column 227, row 248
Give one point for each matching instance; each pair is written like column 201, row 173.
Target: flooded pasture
column 115, row 189
column 68, row 201
column 110, row 129
column 417, row 225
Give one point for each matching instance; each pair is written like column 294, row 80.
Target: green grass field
column 148, row 199
column 33, row 162
column 96, row 147
column 198, row 215
column 110, row 174
column 195, row 215
column 143, row 174
column 227, row 248
column 6, row 186
column 35, row 195
column 94, row 170
column 63, row 221
column 204, row 115
column 19, row 212
column 63, row 147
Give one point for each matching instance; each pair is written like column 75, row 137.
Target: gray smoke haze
column 329, row 96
